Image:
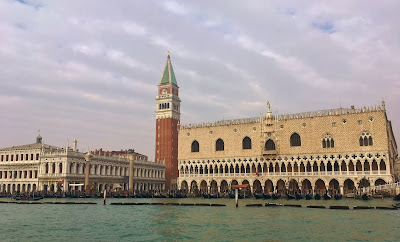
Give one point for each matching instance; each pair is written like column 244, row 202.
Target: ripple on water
column 49, row 222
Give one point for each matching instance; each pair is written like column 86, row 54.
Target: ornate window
column 328, row 142
column 246, row 143
column 270, row 145
column 219, row 145
column 195, row 146
column 295, row 140
column 366, row 139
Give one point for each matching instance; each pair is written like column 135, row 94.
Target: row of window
column 18, row 174
column 19, row 156
column 295, row 140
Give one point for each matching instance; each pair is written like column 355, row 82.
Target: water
column 54, row 222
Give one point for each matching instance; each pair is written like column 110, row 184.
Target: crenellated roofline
column 320, row 113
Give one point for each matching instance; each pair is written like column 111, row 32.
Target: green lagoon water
column 54, row 222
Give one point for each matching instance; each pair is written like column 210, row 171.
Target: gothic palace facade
column 341, row 149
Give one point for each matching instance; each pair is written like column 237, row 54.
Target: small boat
column 299, row 196
column 138, row 195
column 179, row 195
column 206, row 195
column 338, row 197
column 276, row 196
column 327, row 196
column 267, row 196
column 317, row 197
column 214, row 195
column 290, row 197
column 258, row 196
column 365, row 197
column 397, row 197
column 232, row 195
column 309, row 196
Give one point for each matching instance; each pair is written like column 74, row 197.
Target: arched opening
column 246, row 143
column 315, row 167
column 348, row 186
column 334, row 185
column 374, row 165
column 203, row 187
column 306, row 185
column 246, row 182
column 280, row 186
column 329, row 166
column 257, row 186
column 224, row 186
column 242, row 170
column 351, row 166
column 308, row 167
column 302, row 168
column 363, row 183
column 322, row 167
column 320, row 186
column 234, row 183
column 366, row 165
column 219, row 145
column 382, row 165
column 336, row 166
column 214, row 187
column 269, row 187
column 295, row 140
column 270, row 145
column 184, row 187
column 283, row 167
column 343, row 166
column 358, row 166
column 293, row 186
column 379, row 182
column 195, row 146
column 295, row 167
column 271, row 168
column 193, row 187
column 289, row 167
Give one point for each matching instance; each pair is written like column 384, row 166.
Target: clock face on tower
column 164, row 91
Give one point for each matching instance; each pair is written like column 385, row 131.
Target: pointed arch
column 219, row 145
column 269, row 145
column 246, row 143
column 195, row 146
column 295, row 140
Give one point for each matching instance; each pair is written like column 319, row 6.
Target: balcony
column 291, row 174
column 269, row 152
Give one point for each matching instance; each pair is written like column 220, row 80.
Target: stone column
column 88, row 158
column 131, row 159
column 341, row 190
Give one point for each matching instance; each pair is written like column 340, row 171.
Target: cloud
column 175, row 7
column 93, row 74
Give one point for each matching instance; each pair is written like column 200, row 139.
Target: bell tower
column 167, row 121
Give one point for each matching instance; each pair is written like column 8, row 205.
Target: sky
column 89, row 69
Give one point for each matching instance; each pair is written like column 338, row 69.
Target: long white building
column 42, row 167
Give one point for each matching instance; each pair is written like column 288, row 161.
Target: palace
column 41, row 167
column 340, row 149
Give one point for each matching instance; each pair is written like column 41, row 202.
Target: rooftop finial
column 168, row 53
column 269, row 106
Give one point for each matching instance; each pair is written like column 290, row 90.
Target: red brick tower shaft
column 167, row 121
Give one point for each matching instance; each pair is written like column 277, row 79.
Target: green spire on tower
column 168, row 74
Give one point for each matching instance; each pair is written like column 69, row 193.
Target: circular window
column 282, row 126
column 254, row 128
column 235, row 130
column 344, row 121
column 371, row 119
column 210, row 132
column 188, row 134
column 304, row 124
